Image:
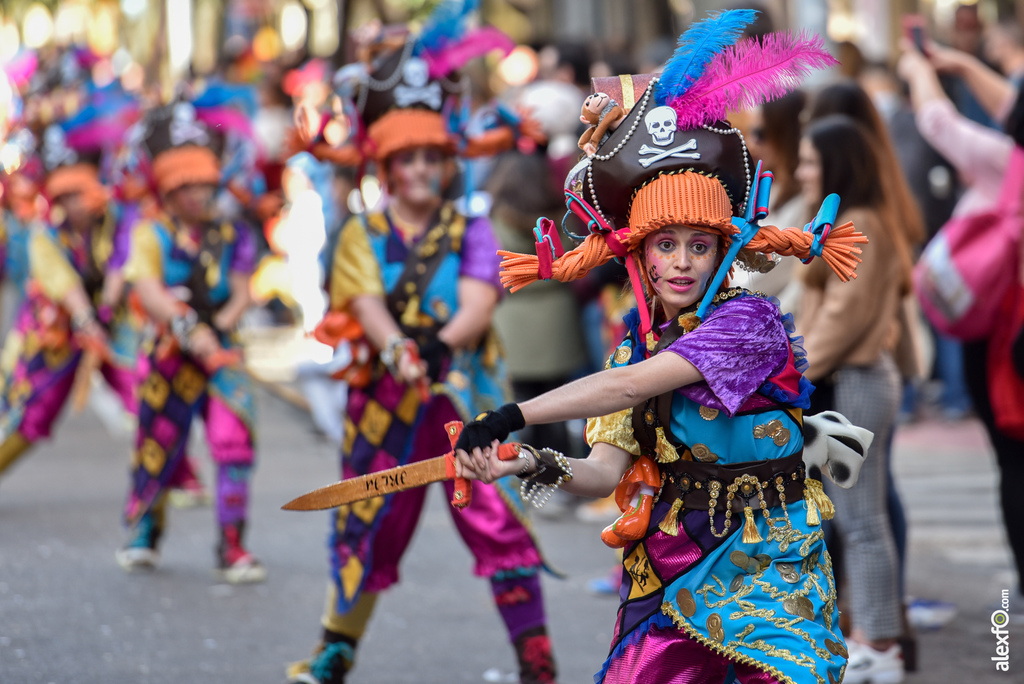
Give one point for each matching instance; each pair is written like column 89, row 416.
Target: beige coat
column 852, row 323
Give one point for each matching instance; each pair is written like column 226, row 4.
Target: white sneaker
column 134, row 558
column 868, row 666
column 244, row 569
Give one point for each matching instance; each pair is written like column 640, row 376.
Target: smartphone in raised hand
column 914, row 28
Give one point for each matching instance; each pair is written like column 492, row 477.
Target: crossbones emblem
column 680, row 152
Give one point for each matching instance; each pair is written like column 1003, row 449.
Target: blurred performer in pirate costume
column 697, row 423
column 190, row 269
column 421, row 279
column 72, row 320
column 21, row 213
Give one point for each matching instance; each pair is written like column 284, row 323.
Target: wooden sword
column 399, row 479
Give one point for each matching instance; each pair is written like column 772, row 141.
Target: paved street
column 69, row 615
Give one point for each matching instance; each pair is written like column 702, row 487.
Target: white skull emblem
column 661, row 124
column 415, row 72
column 55, row 148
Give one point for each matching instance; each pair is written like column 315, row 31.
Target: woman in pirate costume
column 700, row 410
column 72, row 320
column 190, row 270
column 422, row 281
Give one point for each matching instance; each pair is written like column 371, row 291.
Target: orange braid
column 519, row 270
column 839, row 251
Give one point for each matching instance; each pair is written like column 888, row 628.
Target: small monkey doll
column 604, row 115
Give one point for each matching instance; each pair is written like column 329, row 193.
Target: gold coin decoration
column 702, row 453
column 739, row 559
column 788, row 572
column 836, row 648
column 763, row 560
column 623, row 354
column 773, row 429
column 687, row 606
column 736, row 583
column 708, row 413
column 715, row 630
column 799, row 606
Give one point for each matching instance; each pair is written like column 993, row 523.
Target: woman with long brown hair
column 850, row 331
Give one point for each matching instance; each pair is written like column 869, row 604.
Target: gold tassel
column 664, row 450
column 817, row 501
column 750, row 533
column 670, row 523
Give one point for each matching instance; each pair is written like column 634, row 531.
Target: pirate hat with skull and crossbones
column 404, row 91
column 675, row 160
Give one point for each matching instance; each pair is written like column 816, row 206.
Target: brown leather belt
column 692, row 481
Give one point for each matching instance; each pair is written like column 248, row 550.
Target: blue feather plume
column 696, row 47
column 446, row 24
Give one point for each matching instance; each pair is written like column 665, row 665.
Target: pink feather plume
column 475, row 44
column 748, row 74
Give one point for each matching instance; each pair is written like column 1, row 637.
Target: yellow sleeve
column 615, row 429
column 355, row 270
column 144, row 254
column 49, row 268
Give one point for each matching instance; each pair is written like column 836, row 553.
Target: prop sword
column 399, row 479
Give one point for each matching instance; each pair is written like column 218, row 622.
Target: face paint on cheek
column 653, row 260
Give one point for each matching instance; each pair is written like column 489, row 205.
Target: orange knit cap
column 180, row 166
column 78, row 178
column 402, row 129
column 682, row 199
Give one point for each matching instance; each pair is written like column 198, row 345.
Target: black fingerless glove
column 436, row 353
column 493, row 425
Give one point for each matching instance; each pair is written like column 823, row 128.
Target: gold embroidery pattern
column 726, row 649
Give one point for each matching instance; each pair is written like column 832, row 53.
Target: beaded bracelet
column 82, row 320
column 395, row 347
column 183, row 325
column 553, row 470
